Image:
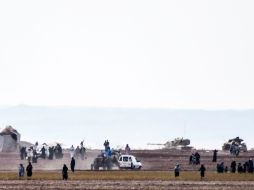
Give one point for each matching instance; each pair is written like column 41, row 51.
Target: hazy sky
column 173, row 54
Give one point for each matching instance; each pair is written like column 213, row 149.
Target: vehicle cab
column 129, row 162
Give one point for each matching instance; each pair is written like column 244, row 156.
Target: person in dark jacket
column 202, row 170
column 197, row 156
column 233, row 167
column 240, row 168
column 29, row 170
column 72, row 164
column 250, row 166
column 245, row 167
column 226, row 169
column 177, row 170
column 215, row 155
column 51, row 153
column 65, row 172
column 43, row 152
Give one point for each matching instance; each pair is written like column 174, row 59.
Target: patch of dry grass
column 130, row 175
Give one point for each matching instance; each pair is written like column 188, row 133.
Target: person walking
column 72, row 164
column 202, row 170
column 29, row 170
column 65, row 172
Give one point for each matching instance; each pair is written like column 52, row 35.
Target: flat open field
column 125, row 180
column 155, row 160
column 157, row 173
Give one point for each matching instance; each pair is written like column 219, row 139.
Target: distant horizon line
column 124, row 107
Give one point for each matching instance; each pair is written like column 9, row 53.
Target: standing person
column 177, row 170
column 233, row 166
column 72, row 164
column 51, row 153
column 43, row 152
column 127, row 149
column 215, row 155
column 197, row 156
column 21, row 170
column 65, row 172
column 226, row 170
column 240, row 168
column 245, row 167
column 29, row 170
column 250, row 166
column 202, row 170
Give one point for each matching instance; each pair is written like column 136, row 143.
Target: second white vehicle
column 129, row 162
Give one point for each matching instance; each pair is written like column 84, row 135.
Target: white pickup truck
column 129, row 162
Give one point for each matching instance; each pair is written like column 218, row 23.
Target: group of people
column 78, row 152
column 29, row 153
column 202, row 170
column 65, row 169
column 194, row 158
column 29, row 170
column 247, row 167
column 32, row 153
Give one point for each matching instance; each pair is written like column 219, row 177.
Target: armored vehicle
column 235, row 146
column 177, row 143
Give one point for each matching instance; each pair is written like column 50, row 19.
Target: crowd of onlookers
column 246, row 167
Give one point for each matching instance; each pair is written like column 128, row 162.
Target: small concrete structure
column 9, row 140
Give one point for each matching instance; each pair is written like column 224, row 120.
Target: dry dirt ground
column 153, row 160
column 124, row 185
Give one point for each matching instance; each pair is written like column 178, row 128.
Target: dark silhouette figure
column 22, row 153
column 177, row 170
column 215, row 155
column 58, row 151
column 35, row 156
column 233, row 166
column 197, row 155
column 72, row 164
column 106, row 145
column 245, row 167
column 226, row 170
column 240, row 168
column 190, row 159
column 250, row 166
column 51, row 153
column 29, row 170
column 65, row 172
column 202, row 171
column 43, row 152
column 220, row 167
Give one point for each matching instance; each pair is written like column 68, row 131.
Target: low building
column 9, row 140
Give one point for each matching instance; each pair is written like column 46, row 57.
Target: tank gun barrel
column 155, row 144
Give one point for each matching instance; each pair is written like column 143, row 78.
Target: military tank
column 177, row 143
column 235, row 146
